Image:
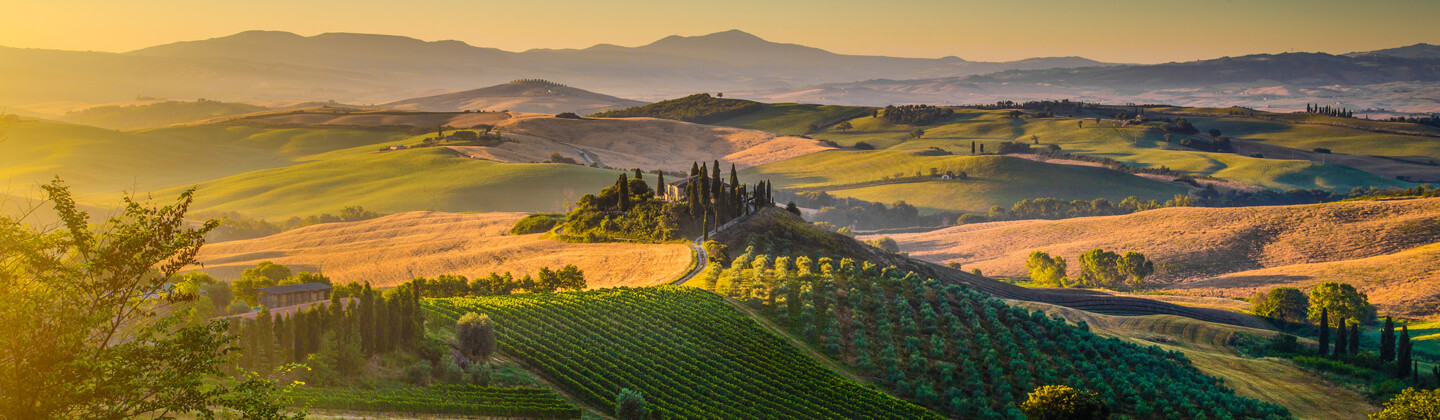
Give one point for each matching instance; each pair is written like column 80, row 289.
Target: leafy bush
column 536, row 223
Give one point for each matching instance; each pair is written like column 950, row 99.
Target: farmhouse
column 292, row 294
column 675, row 191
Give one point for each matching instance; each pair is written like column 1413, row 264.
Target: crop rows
column 690, row 353
column 470, row 400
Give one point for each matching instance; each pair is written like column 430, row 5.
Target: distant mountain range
column 382, row 69
column 364, row 68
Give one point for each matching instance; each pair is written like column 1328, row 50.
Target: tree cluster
column 914, row 114
column 1098, row 269
column 268, row 274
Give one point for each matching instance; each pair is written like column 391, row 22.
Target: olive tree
column 475, row 334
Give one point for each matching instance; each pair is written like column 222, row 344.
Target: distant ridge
column 521, row 95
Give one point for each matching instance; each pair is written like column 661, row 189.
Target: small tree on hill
column 1284, row 303
column 623, row 187
column 475, row 334
column 1342, row 301
column 631, row 405
column 1046, row 270
column 844, row 126
column 1060, row 402
column 1135, row 268
column 1324, row 332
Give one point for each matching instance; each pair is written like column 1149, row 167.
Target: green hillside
column 888, row 176
column 406, row 180
column 689, row 352
column 95, row 160
column 793, row 119
column 159, row 114
column 698, row 108
column 1143, row 146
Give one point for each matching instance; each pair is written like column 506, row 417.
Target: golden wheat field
column 392, row 249
column 1228, row 252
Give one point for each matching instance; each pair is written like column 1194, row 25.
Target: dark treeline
column 1433, row 120
column 546, row 280
column 913, row 114
column 338, row 334
column 234, row 226
column 1328, row 110
column 631, row 210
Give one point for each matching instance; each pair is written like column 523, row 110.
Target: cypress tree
column 660, row 188
column 623, row 188
column 704, row 180
column 1387, row 341
column 694, row 168
column 1354, row 338
column 1324, row 331
column 367, row 321
column 972, row 147
column 1340, row 336
column 637, row 174
column 1402, row 354
column 716, row 186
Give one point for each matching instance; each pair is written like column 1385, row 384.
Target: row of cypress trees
column 715, row 202
column 375, row 322
column 1393, row 350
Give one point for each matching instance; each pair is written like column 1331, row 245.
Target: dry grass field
column 1206, row 344
column 392, row 249
column 648, row 142
column 1213, row 251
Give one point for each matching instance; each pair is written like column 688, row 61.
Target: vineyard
column 960, row 351
column 469, row 400
column 689, row 352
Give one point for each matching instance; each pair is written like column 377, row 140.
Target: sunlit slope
column 793, row 119
column 1231, row 252
column 1133, row 145
column 95, row 160
column 393, row 249
column 435, row 179
column 156, row 114
column 1206, row 344
column 888, row 176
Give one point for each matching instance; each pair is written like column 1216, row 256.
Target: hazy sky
column 1112, row 30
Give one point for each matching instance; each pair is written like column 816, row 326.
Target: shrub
column 1060, row 402
column 630, row 405
column 475, row 335
column 536, row 223
column 1411, row 404
column 568, row 115
column 863, row 146
column 418, row 373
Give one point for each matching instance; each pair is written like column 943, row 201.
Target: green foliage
column 1411, row 404
column 914, row 114
column 1098, row 268
column 545, row 280
column 698, row 108
column 1045, row 270
column 475, row 335
column 598, row 217
column 83, row 333
column 1330, row 365
column 669, row 342
column 884, row 243
column 1060, row 402
column 717, row 252
column 630, row 405
column 464, row 400
column 1342, row 300
column 536, row 223
column 1285, row 303
column 962, row 352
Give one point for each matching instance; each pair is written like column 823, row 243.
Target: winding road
column 700, row 262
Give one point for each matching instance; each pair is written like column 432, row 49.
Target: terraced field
column 688, row 351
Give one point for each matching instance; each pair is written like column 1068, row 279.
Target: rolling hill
column 1228, row 252
column 156, row 114
column 533, row 96
column 393, row 249
column 889, row 176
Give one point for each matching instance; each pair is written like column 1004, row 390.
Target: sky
column 1129, row 31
